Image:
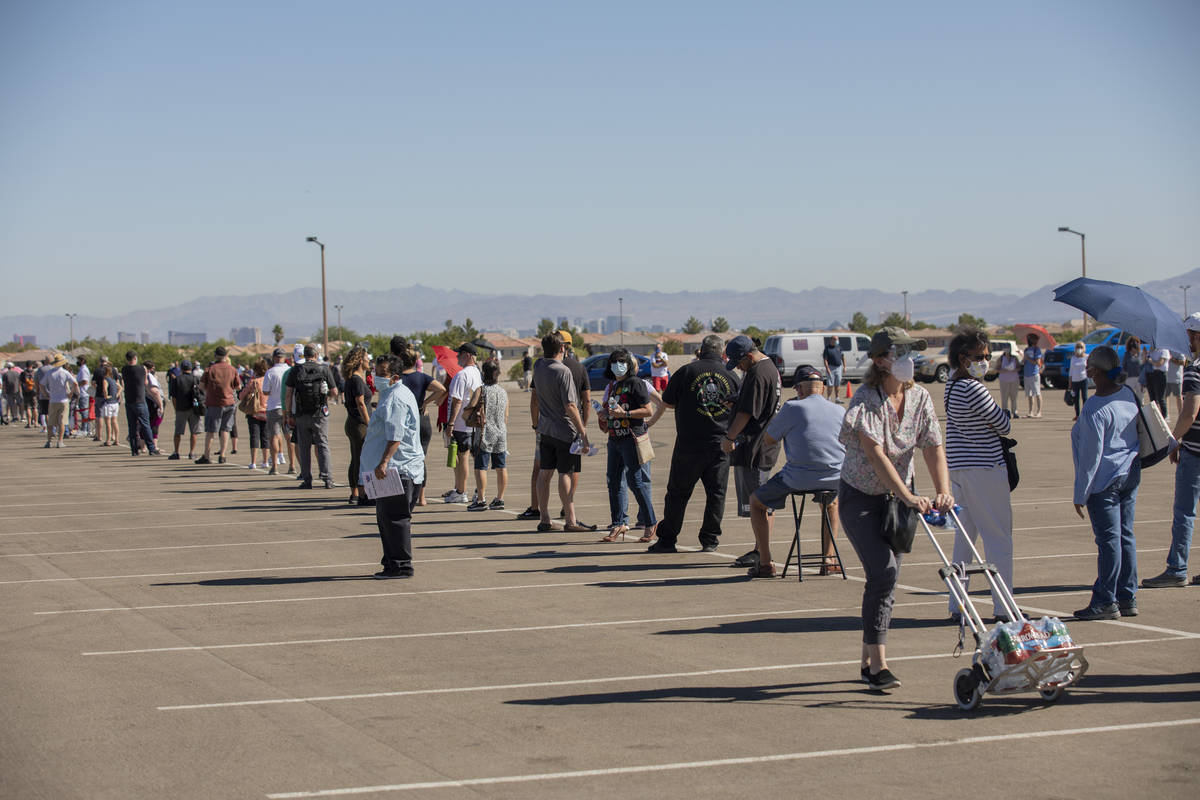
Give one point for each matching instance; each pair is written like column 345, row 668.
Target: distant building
column 245, row 336
column 144, row 337
column 20, row 339
column 658, row 329
column 617, row 323
column 127, row 336
column 593, row 326
column 179, row 338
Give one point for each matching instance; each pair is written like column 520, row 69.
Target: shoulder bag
column 1154, row 436
column 475, row 414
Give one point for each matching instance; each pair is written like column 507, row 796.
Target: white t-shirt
column 58, row 385
column 85, row 376
column 1161, row 353
column 658, row 372
column 462, row 387
column 1174, row 373
column 273, row 386
column 1078, row 368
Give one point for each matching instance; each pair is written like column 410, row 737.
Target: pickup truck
column 1058, row 361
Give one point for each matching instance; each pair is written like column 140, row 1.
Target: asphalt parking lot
column 174, row 630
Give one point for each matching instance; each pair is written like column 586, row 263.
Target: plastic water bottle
column 452, row 455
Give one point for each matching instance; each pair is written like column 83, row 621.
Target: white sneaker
column 280, row 458
column 456, row 497
column 252, row 466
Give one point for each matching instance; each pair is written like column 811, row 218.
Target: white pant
column 987, row 511
column 1008, row 396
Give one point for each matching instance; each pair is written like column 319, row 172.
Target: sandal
column 648, row 536
column 761, row 571
column 614, row 532
column 578, row 527
column 544, row 527
column 830, row 567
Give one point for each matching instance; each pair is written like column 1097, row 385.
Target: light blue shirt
column 1032, row 354
column 395, row 420
column 1104, row 442
column 809, row 431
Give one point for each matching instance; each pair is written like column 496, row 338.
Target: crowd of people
column 729, row 415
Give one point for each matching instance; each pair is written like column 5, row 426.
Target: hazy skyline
column 158, row 151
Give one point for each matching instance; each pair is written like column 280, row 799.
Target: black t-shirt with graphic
column 629, row 395
column 759, row 398
column 703, row 393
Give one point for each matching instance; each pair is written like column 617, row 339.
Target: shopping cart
column 1047, row 670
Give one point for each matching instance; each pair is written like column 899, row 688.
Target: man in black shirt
column 137, row 413
column 750, row 455
column 832, row 356
column 182, row 388
column 527, row 368
column 702, row 393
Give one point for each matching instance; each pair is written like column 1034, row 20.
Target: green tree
column 966, row 320
column 673, row 347
column 545, row 327
column 720, row 325
column 860, row 324
column 896, row 320
column 277, row 332
column 336, row 334
column 693, row 326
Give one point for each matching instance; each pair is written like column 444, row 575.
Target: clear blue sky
column 157, row 151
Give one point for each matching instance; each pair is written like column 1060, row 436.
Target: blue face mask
column 382, row 382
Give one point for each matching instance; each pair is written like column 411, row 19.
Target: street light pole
column 621, row 319
column 1185, row 288
column 1083, row 258
column 339, row 327
column 907, row 322
column 324, row 309
column 71, row 317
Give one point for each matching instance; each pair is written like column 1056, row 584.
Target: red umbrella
column 447, row 359
column 1045, row 340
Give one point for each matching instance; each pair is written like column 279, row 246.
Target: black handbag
column 1010, row 462
column 1069, row 397
column 899, row 524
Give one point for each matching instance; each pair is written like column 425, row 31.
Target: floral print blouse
column 870, row 413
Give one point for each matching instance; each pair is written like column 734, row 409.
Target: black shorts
column 43, row 406
column 556, row 454
column 467, row 441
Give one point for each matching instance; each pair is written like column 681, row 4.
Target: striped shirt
column 974, row 425
column 1191, row 385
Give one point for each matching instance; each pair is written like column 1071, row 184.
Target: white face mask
column 382, row 382
column 903, row 368
column 619, row 368
column 977, row 370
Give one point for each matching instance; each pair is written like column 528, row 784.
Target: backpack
column 251, row 393
column 310, row 395
column 27, row 383
column 475, row 415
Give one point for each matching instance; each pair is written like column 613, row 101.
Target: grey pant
column 862, row 521
column 312, row 430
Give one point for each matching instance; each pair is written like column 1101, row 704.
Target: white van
column 790, row 350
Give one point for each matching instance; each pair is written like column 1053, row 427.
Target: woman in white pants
column 1010, row 383
column 978, row 477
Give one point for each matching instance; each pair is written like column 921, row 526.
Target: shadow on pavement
column 799, row 624
column 721, row 694
column 586, row 569
column 271, row 581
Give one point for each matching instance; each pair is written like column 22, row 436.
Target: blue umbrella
column 1128, row 308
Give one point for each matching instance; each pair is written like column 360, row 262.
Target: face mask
column 977, row 369
column 619, row 368
column 902, row 369
column 382, row 382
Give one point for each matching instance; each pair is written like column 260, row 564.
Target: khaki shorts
column 58, row 415
column 274, row 423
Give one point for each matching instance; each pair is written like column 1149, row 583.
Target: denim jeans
column 1187, row 492
column 1080, row 388
column 623, row 467
column 1111, row 513
column 138, row 417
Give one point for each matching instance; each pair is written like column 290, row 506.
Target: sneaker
column 291, row 471
column 1092, row 613
column 305, row 485
column 233, row 452
column 1128, row 608
column 272, row 470
column 202, row 460
column 1195, row 581
column 391, row 573
column 708, row 548
column 456, row 497
column 530, row 513
column 173, row 457
column 220, row 459
column 46, row 446
column 252, row 466
column 447, row 493
column 746, row 560
column 477, row 505
column 884, row 679
column 1164, row 581
column 496, row 504
column 329, row 484
column 280, row 458
column 662, row 547
column 865, row 672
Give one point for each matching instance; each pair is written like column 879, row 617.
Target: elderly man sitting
column 808, row 426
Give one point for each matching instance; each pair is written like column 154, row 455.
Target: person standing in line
column 888, row 421
column 43, row 398
column 108, row 405
column 273, row 388
column 1187, row 470
column 975, row 457
column 583, row 389
column 554, row 410
column 220, row 384
column 623, row 416
column 136, row 412
column 660, row 371
column 493, row 438
column 84, row 378
column 12, row 392
column 1156, row 378
column 1009, row 378
column 526, row 369
column 758, row 399
column 1104, row 449
column 60, row 386
column 393, row 441
column 462, row 386
column 154, row 401
column 309, row 387
column 832, row 356
column 1175, row 381
column 358, row 415
column 182, row 389
column 1033, row 362
column 256, row 417
column 1078, row 375
column 428, row 392
column 1131, row 365
column 702, row 393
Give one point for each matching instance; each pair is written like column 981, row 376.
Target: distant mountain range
column 424, row 308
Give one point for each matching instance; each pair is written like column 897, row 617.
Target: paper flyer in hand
column 388, row 486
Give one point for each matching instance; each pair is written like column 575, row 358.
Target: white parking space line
column 730, row 762
column 272, row 522
column 659, row 676
column 173, row 547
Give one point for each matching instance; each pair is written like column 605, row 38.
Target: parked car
column 999, row 348
column 790, row 350
column 934, row 366
column 1058, row 360
column 595, row 370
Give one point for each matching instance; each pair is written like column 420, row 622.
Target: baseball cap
column 807, row 372
column 566, row 336
column 185, row 364
column 221, row 352
column 467, row 347
column 298, row 351
column 737, row 348
column 888, row 337
column 1192, row 323
column 278, row 352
